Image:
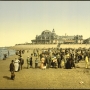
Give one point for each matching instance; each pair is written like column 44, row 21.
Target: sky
column 21, row 21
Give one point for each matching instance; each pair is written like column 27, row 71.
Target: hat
column 12, row 60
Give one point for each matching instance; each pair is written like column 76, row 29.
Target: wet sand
column 44, row 79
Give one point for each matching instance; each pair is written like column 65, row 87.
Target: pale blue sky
column 21, row 21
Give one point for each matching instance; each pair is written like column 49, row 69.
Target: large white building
column 50, row 37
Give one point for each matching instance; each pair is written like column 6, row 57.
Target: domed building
column 50, row 37
column 46, row 37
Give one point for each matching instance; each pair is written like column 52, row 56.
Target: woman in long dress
column 16, row 64
column 86, row 61
column 42, row 62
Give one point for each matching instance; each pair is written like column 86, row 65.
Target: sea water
column 7, row 52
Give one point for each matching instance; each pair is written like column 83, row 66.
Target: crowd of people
column 62, row 58
column 51, row 58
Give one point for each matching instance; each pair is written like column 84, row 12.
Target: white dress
column 16, row 64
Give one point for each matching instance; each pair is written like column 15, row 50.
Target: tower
column 53, row 31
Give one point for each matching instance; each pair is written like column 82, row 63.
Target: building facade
column 87, row 41
column 50, row 37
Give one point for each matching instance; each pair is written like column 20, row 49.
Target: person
column 68, row 64
column 62, row 64
column 52, row 63
column 36, row 63
column 28, row 62
column 58, row 60
column 49, row 57
column 5, row 56
column 46, row 62
column 38, row 53
column 8, row 53
column 86, row 62
column 20, row 53
column 21, row 62
column 12, row 69
column 42, row 62
column 31, row 61
column 79, row 57
column 55, row 62
column 40, row 56
column 16, row 63
column 72, row 63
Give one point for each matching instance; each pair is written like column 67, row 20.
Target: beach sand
column 76, row 78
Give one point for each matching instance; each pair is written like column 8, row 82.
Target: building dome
column 46, row 32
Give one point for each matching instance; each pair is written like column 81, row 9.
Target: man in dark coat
column 12, row 69
column 21, row 62
column 31, row 61
column 68, row 64
column 47, row 61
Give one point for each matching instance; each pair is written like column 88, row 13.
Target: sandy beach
column 76, row 78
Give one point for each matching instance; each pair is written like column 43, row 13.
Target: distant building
column 87, row 41
column 48, row 37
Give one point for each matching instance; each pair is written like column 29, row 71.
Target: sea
column 8, row 52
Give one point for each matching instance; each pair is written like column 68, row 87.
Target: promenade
column 43, row 79
column 51, row 46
